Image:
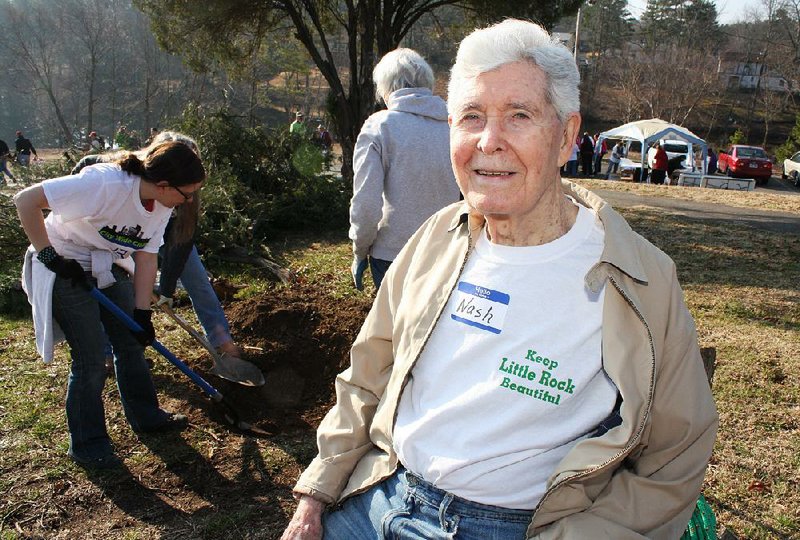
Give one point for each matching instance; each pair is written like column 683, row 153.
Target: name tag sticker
column 480, row 307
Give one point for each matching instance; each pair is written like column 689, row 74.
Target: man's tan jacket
column 638, row 480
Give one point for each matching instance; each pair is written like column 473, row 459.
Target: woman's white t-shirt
column 100, row 209
column 511, row 377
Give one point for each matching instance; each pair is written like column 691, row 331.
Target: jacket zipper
column 638, row 434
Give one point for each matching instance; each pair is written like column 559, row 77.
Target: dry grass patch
column 212, row 482
column 763, row 200
column 742, row 288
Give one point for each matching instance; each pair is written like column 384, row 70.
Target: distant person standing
column 323, row 138
column 24, row 149
column 4, row 153
column 712, row 162
column 660, row 165
column 94, row 142
column 572, row 162
column 587, row 151
column 123, row 139
column 613, row 161
column 600, row 150
column 298, row 127
column 401, row 164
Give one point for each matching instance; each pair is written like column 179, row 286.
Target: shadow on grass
column 712, row 252
column 229, row 509
column 748, row 518
column 133, row 498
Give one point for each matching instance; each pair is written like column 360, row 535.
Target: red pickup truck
column 745, row 162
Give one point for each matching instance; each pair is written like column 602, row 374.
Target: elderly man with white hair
column 529, row 368
column 401, row 164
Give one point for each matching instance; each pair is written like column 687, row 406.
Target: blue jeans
column 204, row 300
column 406, row 507
column 4, row 169
column 572, row 167
column 612, row 167
column 378, row 268
column 83, row 321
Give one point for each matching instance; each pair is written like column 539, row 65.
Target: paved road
column 782, row 222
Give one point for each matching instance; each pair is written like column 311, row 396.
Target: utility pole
column 577, row 35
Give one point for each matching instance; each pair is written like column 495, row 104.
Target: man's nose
column 492, row 138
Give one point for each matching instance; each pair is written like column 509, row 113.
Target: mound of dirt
column 300, row 338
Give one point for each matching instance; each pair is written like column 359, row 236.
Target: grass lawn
column 214, row 482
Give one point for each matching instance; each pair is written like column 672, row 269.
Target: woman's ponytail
column 131, row 164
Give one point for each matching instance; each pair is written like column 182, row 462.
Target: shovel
column 227, row 410
column 225, row 366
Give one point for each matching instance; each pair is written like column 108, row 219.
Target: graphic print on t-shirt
column 535, row 377
column 130, row 237
column 480, row 307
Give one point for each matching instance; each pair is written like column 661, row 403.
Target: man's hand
column 64, row 268
column 357, row 270
column 306, row 524
column 148, row 333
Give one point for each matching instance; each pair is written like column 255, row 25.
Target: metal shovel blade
column 225, row 366
column 237, row 370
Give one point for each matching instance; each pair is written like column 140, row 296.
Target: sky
column 730, row 11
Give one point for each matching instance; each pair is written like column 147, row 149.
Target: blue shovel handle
column 212, row 392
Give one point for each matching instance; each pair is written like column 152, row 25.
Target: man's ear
column 571, row 129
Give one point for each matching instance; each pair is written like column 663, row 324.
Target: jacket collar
column 619, row 237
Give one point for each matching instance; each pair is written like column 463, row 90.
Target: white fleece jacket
column 402, row 172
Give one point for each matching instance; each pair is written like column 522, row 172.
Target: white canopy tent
column 650, row 131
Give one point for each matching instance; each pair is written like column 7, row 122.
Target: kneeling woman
column 98, row 220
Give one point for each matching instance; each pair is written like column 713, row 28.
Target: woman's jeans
column 378, row 269
column 4, row 170
column 612, row 168
column 406, row 507
column 204, row 300
column 82, row 319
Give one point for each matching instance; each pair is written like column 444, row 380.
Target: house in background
column 746, row 71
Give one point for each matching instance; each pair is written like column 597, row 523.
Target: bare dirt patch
column 210, row 481
column 300, row 337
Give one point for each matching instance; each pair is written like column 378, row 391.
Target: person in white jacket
column 401, row 164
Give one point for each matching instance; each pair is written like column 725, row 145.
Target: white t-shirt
column 100, row 209
column 511, row 377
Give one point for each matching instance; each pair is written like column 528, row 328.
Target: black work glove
column 148, row 333
column 64, row 268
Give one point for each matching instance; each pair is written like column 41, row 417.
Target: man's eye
column 521, row 116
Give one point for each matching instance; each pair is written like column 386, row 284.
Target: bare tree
column 91, row 24
column 30, row 33
column 668, row 83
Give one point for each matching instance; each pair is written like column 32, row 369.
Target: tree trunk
column 90, row 104
column 59, row 115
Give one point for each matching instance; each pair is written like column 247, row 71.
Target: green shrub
column 737, row 137
column 792, row 142
column 260, row 183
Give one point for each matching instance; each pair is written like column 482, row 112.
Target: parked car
column 745, row 162
column 791, row 169
column 679, row 153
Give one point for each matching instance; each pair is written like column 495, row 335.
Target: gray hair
column 167, row 136
column 401, row 68
column 512, row 41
